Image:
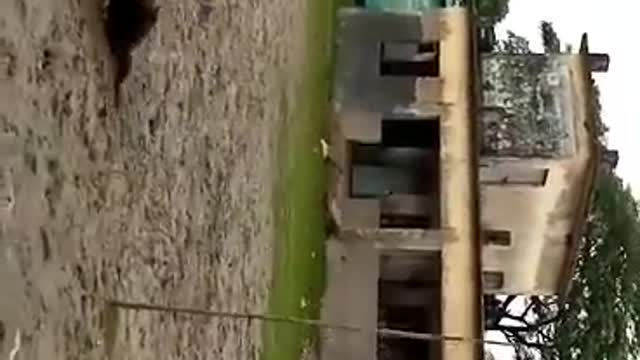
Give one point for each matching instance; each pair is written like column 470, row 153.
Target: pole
column 300, row 321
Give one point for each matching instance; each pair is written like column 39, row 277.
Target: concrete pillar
column 393, row 239
column 461, row 292
column 599, row 62
column 360, row 213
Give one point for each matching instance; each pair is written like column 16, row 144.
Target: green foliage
column 493, row 10
column 605, row 295
column 514, row 44
column 602, row 128
column 550, row 39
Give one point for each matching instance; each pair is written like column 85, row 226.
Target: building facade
column 538, row 162
column 405, row 138
column 459, row 175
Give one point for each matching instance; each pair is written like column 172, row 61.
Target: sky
column 611, row 26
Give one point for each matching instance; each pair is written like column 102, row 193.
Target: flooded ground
column 166, row 199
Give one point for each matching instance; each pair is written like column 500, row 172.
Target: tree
column 602, row 128
column 493, row 11
column 550, row 40
column 489, row 356
column 605, row 295
column 526, row 322
column 514, row 44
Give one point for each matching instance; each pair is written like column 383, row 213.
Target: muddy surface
column 166, row 199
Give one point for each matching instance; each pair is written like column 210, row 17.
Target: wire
column 384, row 332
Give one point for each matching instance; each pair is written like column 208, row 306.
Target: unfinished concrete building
column 404, row 134
column 460, row 175
column 539, row 159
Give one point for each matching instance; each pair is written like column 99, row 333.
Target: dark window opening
column 493, row 280
column 403, row 171
column 411, row 304
column 406, row 221
column 411, row 133
column 497, row 237
column 570, row 239
column 513, row 176
column 409, row 59
column 549, row 102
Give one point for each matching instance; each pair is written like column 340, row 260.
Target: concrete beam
column 360, row 125
column 414, row 240
column 429, row 90
column 409, row 204
column 461, row 291
column 403, row 239
column 417, row 111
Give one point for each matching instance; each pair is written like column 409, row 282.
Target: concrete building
column 539, row 158
column 460, row 175
column 404, row 136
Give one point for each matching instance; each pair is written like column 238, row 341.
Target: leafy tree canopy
column 514, row 44
column 550, row 39
column 493, row 10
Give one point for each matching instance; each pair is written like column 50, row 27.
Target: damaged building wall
column 539, row 217
column 526, row 106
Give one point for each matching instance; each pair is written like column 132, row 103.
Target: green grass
column 300, row 262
